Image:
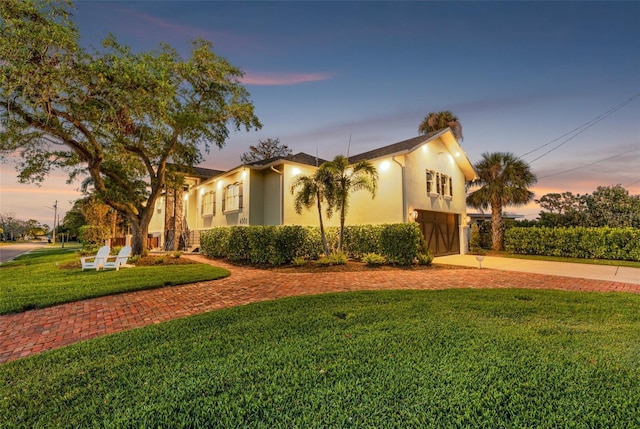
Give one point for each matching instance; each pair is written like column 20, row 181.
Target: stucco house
column 421, row 180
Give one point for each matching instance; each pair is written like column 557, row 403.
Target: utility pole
column 55, row 216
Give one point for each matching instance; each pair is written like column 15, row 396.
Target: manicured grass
column 36, row 280
column 633, row 264
column 392, row 359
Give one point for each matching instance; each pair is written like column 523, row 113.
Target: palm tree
column 345, row 179
column 312, row 190
column 504, row 180
column 436, row 121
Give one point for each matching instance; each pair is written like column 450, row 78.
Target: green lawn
column 392, row 359
column 37, row 279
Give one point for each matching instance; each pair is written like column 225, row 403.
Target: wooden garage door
column 441, row 232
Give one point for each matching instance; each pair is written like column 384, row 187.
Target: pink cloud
column 279, row 79
column 158, row 28
column 177, row 28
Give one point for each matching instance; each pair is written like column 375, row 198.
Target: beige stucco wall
column 255, row 202
column 156, row 226
column 386, row 207
column 271, row 202
column 308, row 216
column 433, row 156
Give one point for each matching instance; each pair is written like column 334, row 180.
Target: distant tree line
column 607, row 206
column 13, row 229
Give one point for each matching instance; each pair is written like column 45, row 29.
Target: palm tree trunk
column 496, row 225
column 325, row 246
column 342, row 217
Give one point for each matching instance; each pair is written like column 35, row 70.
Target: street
column 10, row 251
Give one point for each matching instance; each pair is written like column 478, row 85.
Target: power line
column 592, row 163
column 579, row 130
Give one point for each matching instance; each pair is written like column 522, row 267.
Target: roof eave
column 461, row 159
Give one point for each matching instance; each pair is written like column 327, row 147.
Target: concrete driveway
column 565, row 269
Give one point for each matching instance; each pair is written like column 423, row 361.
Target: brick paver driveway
column 34, row 331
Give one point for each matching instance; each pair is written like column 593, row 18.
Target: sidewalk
column 565, row 269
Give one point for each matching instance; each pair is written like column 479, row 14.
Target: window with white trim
column 430, row 184
column 232, row 198
column 439, row 184
column 208, row 205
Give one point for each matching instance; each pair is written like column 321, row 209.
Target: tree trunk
column 138, row 241
column 140, row 230
column 496, row 226
column 173, row 217
column 340, row 240
column 179, row 217
column 325, row 245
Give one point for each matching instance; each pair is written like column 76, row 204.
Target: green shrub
column 425, row 258
column 115, row 250
column 238, row 247
column 312, row 244
column 276, row 245
column 89, row 249
column 475, row 246
column 336, row 258
column 400, row 243
column 373, row 259
column 299, row 261
column 92, row 234
column 361, row 239
column 215, row 242
column 176, row 255
column 289, row 243
column 260, row 243
column 576, row 242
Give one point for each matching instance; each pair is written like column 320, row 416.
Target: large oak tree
column 113, row 114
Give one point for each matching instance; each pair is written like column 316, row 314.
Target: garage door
column 441, row 231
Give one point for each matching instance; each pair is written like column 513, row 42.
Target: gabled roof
column 198, row 172
column 300, row 158
column 395, row 148
column 414, row 143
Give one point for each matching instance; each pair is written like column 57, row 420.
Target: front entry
column 441, row 230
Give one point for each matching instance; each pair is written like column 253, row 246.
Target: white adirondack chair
column 117, row 261
column 97, row 261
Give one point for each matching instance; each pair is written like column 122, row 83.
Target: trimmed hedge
column 575, row 242
column 277, row 245
column 400, row 242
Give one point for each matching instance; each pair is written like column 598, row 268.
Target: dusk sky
column 559, row 77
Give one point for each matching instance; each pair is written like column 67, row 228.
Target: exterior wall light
column 413, row 215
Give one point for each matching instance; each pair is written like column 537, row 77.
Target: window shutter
column 224, row 198
column 240, row 194
column 213, row 197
